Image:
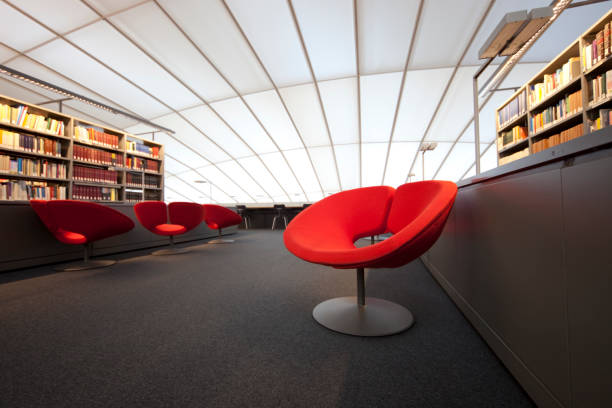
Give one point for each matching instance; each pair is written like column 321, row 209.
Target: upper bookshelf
column 571, row 96
column 46, row 154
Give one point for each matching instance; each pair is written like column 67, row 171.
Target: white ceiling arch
column 280, row 100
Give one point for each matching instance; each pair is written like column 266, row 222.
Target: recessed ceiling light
column 200, row 181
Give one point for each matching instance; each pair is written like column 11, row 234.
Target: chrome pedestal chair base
column 363, row 316
column 86, row 263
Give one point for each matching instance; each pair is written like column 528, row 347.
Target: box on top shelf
column 139, row 146
column 513, row 109
column 29, row 118
column 597, row 45
column 96, row 136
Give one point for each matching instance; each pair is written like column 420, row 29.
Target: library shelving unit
column 50, row 155
column 567, row 99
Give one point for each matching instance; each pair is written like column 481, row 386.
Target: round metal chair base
column 81, row 266
column 221, row 241
column 170, row 251
column 378, row 317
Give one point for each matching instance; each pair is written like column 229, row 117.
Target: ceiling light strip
column 169, row 134
column 221, row 118
column 316, row 85
column 73, row 95
column 450, row 80
column 401, row 90
column 504, row 69
column 358, row 70
column 280, row 97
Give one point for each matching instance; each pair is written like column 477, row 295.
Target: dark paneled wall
column 528, row 258
column 26, row 242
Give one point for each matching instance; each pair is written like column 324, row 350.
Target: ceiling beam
column 265, row 70
column 403, row 82
column 448, row 84
column 162, row 66
column 358, row 70
column 316, row 85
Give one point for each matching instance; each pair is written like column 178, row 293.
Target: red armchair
column 218, row 217
column 81, row 223
column 325, row 233
column 153, row 215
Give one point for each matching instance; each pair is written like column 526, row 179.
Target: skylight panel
column 304, row 107
column 340, row 102
column 378, row 101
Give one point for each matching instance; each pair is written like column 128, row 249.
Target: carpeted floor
column 231, row 326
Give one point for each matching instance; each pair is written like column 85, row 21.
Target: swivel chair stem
column 171, row 241
column 360, row 287
column 219, row 232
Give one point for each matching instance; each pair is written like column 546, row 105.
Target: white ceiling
column 280, row 100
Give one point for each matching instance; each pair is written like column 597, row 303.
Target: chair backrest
column 41, row 209
column 412, row 199
column 217, row 216
column 352, row 213
column 189, row 215
column 151, row 214
column 94, row 221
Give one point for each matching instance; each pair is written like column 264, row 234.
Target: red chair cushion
column 151, row 214
column 217, row 217
column 169, row 229
column 189, row 215
column 325, row 232
column 79, row 222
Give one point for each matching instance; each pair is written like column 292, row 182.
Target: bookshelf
column 50, row 155
column 570, row 97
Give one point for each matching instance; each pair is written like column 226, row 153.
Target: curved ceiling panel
column 280, row 100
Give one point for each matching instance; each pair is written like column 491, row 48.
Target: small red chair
column 153, row 215
column 325, row 233
column 81, row 223
column 218, row 217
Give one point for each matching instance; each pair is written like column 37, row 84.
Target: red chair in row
column 153, row 215
column 218, row 217
column 81, row 223
column 325, row 233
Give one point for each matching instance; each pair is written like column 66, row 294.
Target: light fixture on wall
column 426, row 147
column 13, row 73
column 512, row 37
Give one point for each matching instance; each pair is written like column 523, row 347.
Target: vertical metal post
column 476, row 125
column 423, row 163
column 86, row 250
column 172, row 241
column 220, row 233
column 372, row 240
column 60, row 106
column 360, row 287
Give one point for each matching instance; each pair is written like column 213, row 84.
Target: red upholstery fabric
column 79, row 222
column 217, row 217
column 325, row 232
column 189, row 215
column 169, row 229
column 151, row 214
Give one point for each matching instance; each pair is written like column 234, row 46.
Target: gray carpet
column 231, row 326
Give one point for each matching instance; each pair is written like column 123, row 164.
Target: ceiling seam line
column 57, row 37
column 185, row 86
column 280, row 97
column 357, row 69
column 401, row 90
column 176, row 192
column 235, row 90
column 467, row 125
column 198, row 172
column 481, row 155
column 316, row 85
column 448, row 84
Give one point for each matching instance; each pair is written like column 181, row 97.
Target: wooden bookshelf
column 560, row 97
column 75, row 144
